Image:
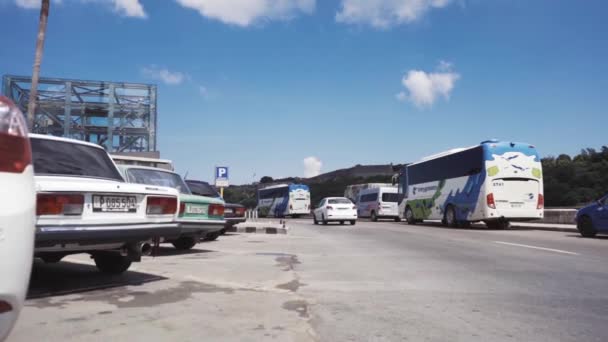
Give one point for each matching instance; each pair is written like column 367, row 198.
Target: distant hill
column 327, row 184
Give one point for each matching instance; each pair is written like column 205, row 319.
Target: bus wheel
column 409, row 216
column 342, row 222
column 397, row 219
column 499, row 224
column 464, row 224
column 374, row 216
column 585, row 227
column 450, row 217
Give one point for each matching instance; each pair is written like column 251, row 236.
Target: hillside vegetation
column 569, row 181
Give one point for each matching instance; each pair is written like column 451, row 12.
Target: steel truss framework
column 120, row 116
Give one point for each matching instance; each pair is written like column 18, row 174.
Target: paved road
column 372, row 282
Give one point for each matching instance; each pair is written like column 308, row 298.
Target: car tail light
column 182, row 208
column 161, row 205
column 58, row 204
column 490, row 201
column 5, row 307
column 15, row 151
column 330, row 207
column 240, row 211
column 216, row 210
column 541, row 201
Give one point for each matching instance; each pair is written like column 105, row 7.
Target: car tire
column 450, row 216
column 585, row 227
column 212, row 236
column 52, row 258
column 397, row 219
column 409, row 216
column 184, row 243
column 323, row 220
column 112, row 263
column 314, row 219
column 374, row 217
column 353, row 222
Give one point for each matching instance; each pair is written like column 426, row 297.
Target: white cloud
column 164, row 75
column 312, row 166
column 246, row 12
column 423, row 88
column 128, row 8
column 386, row 13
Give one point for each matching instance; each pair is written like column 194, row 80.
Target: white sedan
column 335, row 209
column 84, row 206
column 17, row 214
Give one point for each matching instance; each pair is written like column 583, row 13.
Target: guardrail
column 559, row 216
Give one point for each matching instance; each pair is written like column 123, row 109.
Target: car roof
column 68, row 140
column 125, row 167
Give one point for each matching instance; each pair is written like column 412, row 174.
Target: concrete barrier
column 559, row 216
column 259, row 228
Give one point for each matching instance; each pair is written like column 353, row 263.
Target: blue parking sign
column 221, row 172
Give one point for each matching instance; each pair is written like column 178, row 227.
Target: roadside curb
column 265, row 229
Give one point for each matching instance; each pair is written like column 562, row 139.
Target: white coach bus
column 495, row 182
column 284, row 200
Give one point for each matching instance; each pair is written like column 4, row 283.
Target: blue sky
column 260, row 85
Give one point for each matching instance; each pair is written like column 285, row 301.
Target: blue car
column 593, row 218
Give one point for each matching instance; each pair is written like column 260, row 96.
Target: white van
column 378, row 203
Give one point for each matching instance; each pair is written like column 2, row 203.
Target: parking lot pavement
column 372, row 282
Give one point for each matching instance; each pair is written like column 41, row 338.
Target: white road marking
column 536, row 247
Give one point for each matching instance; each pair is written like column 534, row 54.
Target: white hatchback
column 17, row 214
column 335, row 209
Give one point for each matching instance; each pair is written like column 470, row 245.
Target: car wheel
column 184, row 243
column 450, row 217
column 323, row 220
column 112, row 263
column 353, row 222
column 585, row 227
column 409, row 216
column 212, row 236
column 374, row 216
column 314, row 219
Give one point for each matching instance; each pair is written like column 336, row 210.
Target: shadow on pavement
column 66, row 278
column 164, row 251
column 599, row 237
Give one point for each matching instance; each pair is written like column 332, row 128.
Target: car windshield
column 339, row 201
column 390, row 197
column 54, row 157
column 202, row 189
column 157, row 177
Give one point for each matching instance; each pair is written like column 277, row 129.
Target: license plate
column 119, row 204
column 517, row 205
column 228, row 211
column 196, row 209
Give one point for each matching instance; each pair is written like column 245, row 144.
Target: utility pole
column 31, row 106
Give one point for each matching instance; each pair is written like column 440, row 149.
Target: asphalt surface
column 372, row 282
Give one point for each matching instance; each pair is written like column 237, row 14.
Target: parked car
column 84, row 206
column 200, row 217
column 17, row 214
column 233, row 213
column 335, row 209
column 593, row 218
column 378, row 203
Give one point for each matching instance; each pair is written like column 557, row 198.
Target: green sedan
column 199, row 217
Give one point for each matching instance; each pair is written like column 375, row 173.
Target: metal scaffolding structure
column 120, row 116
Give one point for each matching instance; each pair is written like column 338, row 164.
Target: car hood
column 85, row 184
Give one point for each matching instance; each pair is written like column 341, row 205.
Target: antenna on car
column 186, row 175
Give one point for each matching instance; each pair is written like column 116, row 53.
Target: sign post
column 221, row 178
